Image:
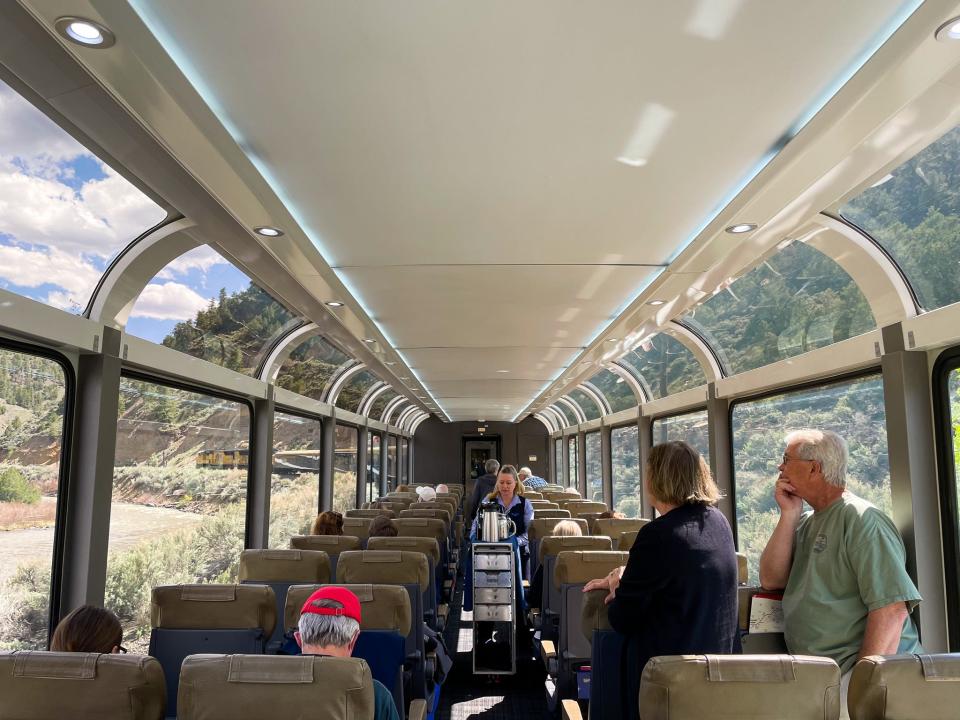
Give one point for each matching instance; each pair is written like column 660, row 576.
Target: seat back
column 442, row 514
column 793, row 687
column 549, row 548
column 447, row 503
column 552, row 514
column 539, row 528
column 430, row 548
column 250, row 687
column 384, row 626
column 280, row 569
column 607, row 688
column 919, row 687
column 332, row 545
column 358, row 528
column 585, row 506
column 544, row 504
column 625, row 539
column 190, row 619
column 612, row 527
column 427, row 527
column 408, row 497
column 554, row 495
column 742, row 570
column 532, row 495
column 371, row 513
column 37, row 685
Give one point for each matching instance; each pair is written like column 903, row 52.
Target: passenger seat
column 918, row 687
column 358, row 528
column 332, row 545
column 37, row 685
column 549, row 603
column 540, row 528
column 613, row 527
column 438, row 613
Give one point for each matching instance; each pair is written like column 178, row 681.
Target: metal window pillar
column 87, row 499
column 606, row 465
column 565, row 458
column 361, row 466
column 410, row 450
column 384, row 462
column 328, row 451
column 552, row 459
column 261, row 472
column 721, row 454
column 581, row 483
column 916, row 504
column 644, row 443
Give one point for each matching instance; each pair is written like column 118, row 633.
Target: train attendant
column 508, row 495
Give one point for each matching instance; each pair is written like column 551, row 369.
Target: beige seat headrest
column 577, row 567
column 384, row 567
column 627, row 538
column 544, row 513
column 422, row 527
column 358, row 527
column 919, row 687
column 425, row 545
column 742, row 573
column 284, row 565
column 382, row 607
column 555, row 544
column 541, row 527
column 213, row 607
column 327, row 543
column 249, row 687
column 371, row 513
column 681, row 687
column 37, row 685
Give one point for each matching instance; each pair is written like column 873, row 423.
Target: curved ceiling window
column 795, row 301
column 615, row 389
column 586, row 403
column 664, row 366
column 352, row 393
column 64, row 213
column 914, row 214
column 380, row 404
column 201, row 305
column 564, row 412
column 310, row 366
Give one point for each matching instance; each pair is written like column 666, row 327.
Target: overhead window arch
column 371, row 396
column 590, row 407
column 558, row 418
column 340, row 378
column 617, row 393
column 545, row 420
column 392, row 407
column 663, row 365
column 352, row 392
column 574, row 409
column 594, row 394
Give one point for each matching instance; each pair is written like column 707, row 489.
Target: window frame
column 945, row 364
column 286, row 410
column 613, row 493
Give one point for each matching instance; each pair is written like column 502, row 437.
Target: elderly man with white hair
column 842, row 568
column 529, row 480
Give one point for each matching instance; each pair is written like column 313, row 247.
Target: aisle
column 466, row 695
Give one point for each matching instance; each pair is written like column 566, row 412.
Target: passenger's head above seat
column 442, row 488
column 382, row 526
column 327, row 523
column 611, row 515
column 677, row 475
column 524, row 473
column 88, row 629
column 567, row 528
column 329, row 622
column 426, row 493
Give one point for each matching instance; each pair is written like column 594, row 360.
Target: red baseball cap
column 351, row 605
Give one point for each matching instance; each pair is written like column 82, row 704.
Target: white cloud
column 27, row 133
column 34, row 267
column 168, row 301
column 202, row 258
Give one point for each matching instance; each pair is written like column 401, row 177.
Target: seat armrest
column 549, row 653
column 571, row 710
column 418, row 710
column 526, row 584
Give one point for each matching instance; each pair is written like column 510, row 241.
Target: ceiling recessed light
column 656, row 303
column 389, row 363
column 503, row 371
column 334, row 303
column 950, row 30
column 613, row 339
column 267, row 231
column 632, row 162
column 85, row 32
column 369, row 340
column 741, row 228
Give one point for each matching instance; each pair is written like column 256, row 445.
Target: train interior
column 261, row 261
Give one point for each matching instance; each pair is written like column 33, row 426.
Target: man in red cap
column 330, row 625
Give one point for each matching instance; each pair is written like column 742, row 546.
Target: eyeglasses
column 790, row 459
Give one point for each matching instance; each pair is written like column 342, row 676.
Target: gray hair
column 327, row 630
column 525, row 471
column 491, row 466
column 826, row 448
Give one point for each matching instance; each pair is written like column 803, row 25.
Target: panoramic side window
column 574, row 479
column 202, row 305
column 295, row 481
column 592, row 456
column 664, row 366
column 373, row 466
column 914, row 214
column 178, row 511
column 558, row 460
column 586, row 403
column 66, row 214
column 380, row 404
column 32, row 417
column 355, row 388
column 310, row 366
column 625, row 461
column 615, row 389
column 693, row 428
column 853, row 409
column 345, row 469
column 793, row 302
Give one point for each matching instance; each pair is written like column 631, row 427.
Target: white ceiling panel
column 437, row 364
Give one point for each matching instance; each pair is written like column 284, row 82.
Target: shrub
column 14, row 487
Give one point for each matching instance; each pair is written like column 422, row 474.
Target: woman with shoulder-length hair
column 88, row 629
column 328, row 522
column 677, row 594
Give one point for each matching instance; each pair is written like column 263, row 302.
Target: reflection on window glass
column 66, row 214
column 796, row 301
column 404, row 459
column 692, row 428
column 854, row 409
column 573, row 480
column 615, row 389
column 356, row 387
column 664, row 366
column 178, row 513
column 203, row 306
column 914, row 213
column 295, row 482
column 310, row 367
column 592, row 455
column 625, row 461
column 586, row 403
column 378, row 406
column 558, row 460
column 373, row 466
column 391, row 461
column 953, row 389
column 32, row 395
column 345, row 469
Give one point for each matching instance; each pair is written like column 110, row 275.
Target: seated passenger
column 382, row 526
column 564, row 528
column 677, row 594
column 842, row 565
column 509, row 498
column 88, row 629
column 611, row 515
column 529, row 480
column 426, row 493
column 403, row 489
column 442, row 488
column 330, row 625
column 327, row 523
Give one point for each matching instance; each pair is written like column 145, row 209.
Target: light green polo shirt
column 848, row 559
